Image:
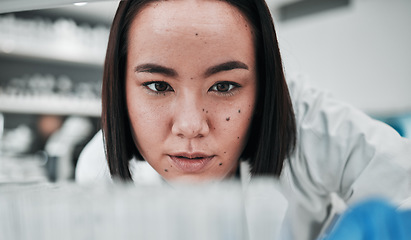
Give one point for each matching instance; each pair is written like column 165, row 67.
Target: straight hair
column 272, row 131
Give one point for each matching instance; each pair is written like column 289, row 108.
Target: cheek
column 231, row 122
column 147, row 120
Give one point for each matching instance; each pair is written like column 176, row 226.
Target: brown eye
column 159, row 86
column 223, row 87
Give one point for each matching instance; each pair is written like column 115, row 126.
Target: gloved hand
column 374, row 219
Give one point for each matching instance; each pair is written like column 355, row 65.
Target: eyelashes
column 158, row 86
column 225, row 88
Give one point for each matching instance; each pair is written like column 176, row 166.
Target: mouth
column 191, row 162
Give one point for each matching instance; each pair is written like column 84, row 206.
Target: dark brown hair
column 272, row 132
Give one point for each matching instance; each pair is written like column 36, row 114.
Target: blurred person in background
column 46, row 125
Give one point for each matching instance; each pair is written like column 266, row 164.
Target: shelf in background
column 58, row 39
column 53, row 56
column 53, row 105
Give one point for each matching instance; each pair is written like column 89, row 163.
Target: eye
column 223, row 87
column 158, row 86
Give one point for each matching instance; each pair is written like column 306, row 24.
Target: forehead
column 187, row 16
column 190, row 34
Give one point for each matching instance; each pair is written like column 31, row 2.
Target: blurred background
column 51, row 68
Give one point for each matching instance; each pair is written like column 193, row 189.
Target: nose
column 190, row 119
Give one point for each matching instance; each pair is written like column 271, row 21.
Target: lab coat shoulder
column 340, row 149
column 91, row 165
column 342, row 156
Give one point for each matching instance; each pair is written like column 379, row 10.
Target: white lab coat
column 342, row 156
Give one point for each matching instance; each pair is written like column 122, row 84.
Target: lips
column 190, row 162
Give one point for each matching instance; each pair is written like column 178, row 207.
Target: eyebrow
column 227, row 66
column 169, row 72
column 155, row 68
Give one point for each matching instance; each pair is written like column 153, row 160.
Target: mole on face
column 166, row 170
column 239, row 110
column 220, row 163
column 227, row 119
column 196, row 34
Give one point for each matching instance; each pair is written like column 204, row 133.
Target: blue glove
column 374, row 219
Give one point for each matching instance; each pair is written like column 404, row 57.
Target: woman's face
column 191, row 87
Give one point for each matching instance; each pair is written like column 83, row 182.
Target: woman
column 192, row 87
column 214, row 95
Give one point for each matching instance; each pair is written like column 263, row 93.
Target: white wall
column 361, row 53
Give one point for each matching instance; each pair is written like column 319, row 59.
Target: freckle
column 203, row 109
column 166, row 170
column 206, row 111
column 238, row 137
column 227, row 119
column 191, row 78
column 225, row 152
column 196, row 34
column 220, row 163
